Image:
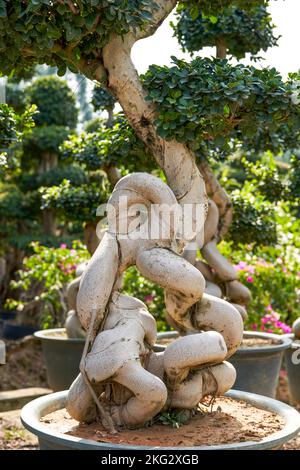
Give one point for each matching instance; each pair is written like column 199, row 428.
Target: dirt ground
column 24, row 365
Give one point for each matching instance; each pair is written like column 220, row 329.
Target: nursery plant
column 178, row 112
column 42, row 283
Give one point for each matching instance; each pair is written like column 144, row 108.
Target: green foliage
column 41, row 283
column 212, row 101
column 63, row 34
column 174, row 418
column 272, row 273
column 102, row 99
column 241, row 31
column 213, row 7
column 55, row 102
column 295, row 175
column 32, row 181
column 76, row 203
column 118, row 145
column 153, row 295
column 12, row 126
column 14, row 205
column 94, row 124
column 8, row 126
column 43, row 139
column 15, row 97
column 266, row 179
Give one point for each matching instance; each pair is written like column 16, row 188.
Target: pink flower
column 149, row 298
column 264, row 320
column 251, row 269
column 298, row 274
column 283, row 373
column 63, row 245
column 286, row 328
column 254, row 326
column 269, row 331
column 269, row 308
column 284, row 269
column 279, row 260
column 249, row 279
column 241, row 266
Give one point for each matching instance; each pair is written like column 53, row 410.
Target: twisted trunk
column 174, row 158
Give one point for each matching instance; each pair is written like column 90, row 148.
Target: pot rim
column 45, row 335
column 33, row 411
column 285, row 342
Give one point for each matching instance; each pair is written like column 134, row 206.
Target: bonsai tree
column 34, row 163
column 232, row 30
column 12, row 127
column 97, row 41
column 104, row 101
column 56, row 117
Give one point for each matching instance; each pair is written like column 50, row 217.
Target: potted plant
column 121, row 382
column 119, row 369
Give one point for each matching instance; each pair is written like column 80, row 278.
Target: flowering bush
column 41, row 283
column 153, row 295
column 274, row 282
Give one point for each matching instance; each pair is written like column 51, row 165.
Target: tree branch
column 164, row 8
column 219, row 196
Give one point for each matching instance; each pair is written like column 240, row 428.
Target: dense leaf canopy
column 253, row 219
column 43, row 139
column 55, row 101
column 76, row 203
column 118, row 145
column 8, row 126
column 102, row 99
column 241, row 31
column 211, row 101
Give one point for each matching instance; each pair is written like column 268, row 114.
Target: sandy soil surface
column 228, row 421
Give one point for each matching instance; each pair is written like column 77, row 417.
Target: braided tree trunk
column 121, row 378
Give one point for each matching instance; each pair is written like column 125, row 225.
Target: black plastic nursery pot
column 292, row 364
column 257, row 367
column 12, row 331
column 53, row 440
column 6, row 315
column 62, row 357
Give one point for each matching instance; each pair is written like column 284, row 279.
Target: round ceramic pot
column 62, row 357
column 292, row 364
column 53, row 440
column 257, row 367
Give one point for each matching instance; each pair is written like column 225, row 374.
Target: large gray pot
column 257, row 368
column 292, row 363
column 53, row 440
column 62, row 356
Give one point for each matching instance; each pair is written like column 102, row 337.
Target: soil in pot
column 246, row 343
column 257, row 343
column 230, row 421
